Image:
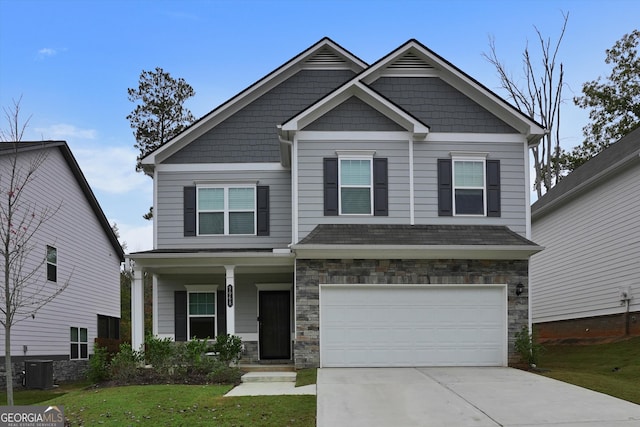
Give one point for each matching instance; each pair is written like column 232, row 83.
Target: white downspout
column 412, row 214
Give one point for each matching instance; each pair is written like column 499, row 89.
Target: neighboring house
column 337, row 213
column 78, row 247
column 586, row 283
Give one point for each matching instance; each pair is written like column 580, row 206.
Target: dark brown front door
column 275, row 325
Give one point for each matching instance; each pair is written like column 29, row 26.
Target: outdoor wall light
column 519, row 289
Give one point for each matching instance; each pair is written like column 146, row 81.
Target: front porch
column 201, row 294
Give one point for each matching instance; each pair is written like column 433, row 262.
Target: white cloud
column 137, row 238
column 66, row 131
column 46, row 52
column 111, row 169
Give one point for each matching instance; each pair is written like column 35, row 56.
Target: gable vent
column 410, row 64
column 326, row 58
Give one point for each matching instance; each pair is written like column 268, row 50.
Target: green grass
column 31, row 397
column 175, row 405
column 306, row 377
column 613, row 368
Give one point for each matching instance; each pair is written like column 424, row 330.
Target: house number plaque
column 230, row 296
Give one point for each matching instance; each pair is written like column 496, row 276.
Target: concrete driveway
column 460, row 397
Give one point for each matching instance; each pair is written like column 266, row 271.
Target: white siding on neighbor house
column 592, row 249
column 169, row 212
column 512, row 181
column 86, row 260
column 311, row 189
column 508, row 149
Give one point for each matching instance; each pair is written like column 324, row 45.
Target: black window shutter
column 189, row 211
column 445, row 195
column 331, row 186
column 380, row 188
column 493, row 187
column 180, row 314
column 263, row 210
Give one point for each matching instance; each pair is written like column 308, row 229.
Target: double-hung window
column 79, row 343
column 201, row 313
column 469, row 186
column 226, row 210
column 356, row 185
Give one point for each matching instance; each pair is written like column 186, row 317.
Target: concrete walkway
column 433, row 397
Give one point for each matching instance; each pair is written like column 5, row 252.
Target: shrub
column 228, row 347
column 527, row 346
column 224, row 374
column 158, row 352
column 98, row 364
column 124, row 365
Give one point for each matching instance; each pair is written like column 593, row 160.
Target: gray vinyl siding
column 592, row 248
column 250, row 135
column 169, row 210
column 86, row 260
column 439, row 105
column 354, row 115
column 310, row 183
column 246, row 309
column 426, row 155
column 512, row 183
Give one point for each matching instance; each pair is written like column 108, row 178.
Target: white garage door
column 372, row 326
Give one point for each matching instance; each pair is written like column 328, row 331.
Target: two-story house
column 73, row 248
column 337, row 213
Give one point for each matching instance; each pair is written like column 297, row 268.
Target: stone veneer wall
column 63, row 370
column 310, row 273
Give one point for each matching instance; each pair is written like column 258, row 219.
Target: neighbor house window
column 52, row 264
column 202, row 315
column 469, row 186
column 356, row 186
column 108, row 327
column 226, row 210
column 79, row 343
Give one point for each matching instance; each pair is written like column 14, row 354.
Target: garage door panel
column 420, row 326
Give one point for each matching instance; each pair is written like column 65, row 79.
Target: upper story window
column 52, row 264
column 469, row 186
column 356, row 186
column 226, row 210
column 355, row 183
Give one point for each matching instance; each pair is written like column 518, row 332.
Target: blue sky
column 72, row 61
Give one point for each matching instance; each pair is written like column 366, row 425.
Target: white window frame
column 226, row 209
column 200, row 289
column 469, row 158
column 367, row 156
column 54, row 264
column 79, row 343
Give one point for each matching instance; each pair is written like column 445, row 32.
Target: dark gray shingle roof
column 376, row 234
column 626, row 148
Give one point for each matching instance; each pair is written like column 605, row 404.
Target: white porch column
column 230, row 294
column 137, row 310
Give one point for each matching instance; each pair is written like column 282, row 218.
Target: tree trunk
column 8, row 365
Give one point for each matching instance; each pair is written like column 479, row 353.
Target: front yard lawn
column 182, row 405
column 613, row 368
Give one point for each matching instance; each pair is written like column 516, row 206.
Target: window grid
column 201, row 315
column 355, row 185
column 469, row 187
column 230, row 210
column 79, row 348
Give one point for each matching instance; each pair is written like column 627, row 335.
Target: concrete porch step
column 268, row 377
column 267, row 368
